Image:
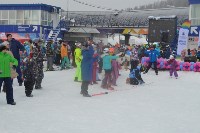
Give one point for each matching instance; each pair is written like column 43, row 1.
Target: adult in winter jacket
column 58, row 52
column 50, row 55
column 15, row 47
column 198, row 54
column 78, row 59
column 153, row 55
column 64, row 56
column 5, row 74
column 86, row 68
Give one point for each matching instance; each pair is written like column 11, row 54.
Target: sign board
column 27, row 28
column 192, row 42
column 20, row 28
column 194, row 31
column 199, row 40
column 182, row 40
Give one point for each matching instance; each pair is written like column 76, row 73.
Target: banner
column 199, row 40
column 182, row 40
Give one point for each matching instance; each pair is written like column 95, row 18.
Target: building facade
column 28, row 21
column 194, row 15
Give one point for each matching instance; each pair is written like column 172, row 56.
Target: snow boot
column 86, row 95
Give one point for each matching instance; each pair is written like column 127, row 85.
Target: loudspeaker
column 165, row 37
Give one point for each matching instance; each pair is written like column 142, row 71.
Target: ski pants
column 84, row 87
column 149, row 66
column 29, row 84
column 9, row 89
column 78, row 71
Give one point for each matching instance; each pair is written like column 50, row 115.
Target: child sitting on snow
column 135, row 73
column 173, row 64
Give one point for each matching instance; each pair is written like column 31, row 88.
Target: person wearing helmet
column 107, row 66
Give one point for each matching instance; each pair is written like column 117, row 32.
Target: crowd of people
column 26, row 63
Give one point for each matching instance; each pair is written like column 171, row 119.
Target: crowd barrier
column 181, row 66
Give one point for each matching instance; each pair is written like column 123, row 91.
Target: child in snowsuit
column 135, row 73
column 29, row 76
column 173, row 64
column 38, row 59
column 106, row 82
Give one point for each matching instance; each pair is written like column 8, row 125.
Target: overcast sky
column 74, row 6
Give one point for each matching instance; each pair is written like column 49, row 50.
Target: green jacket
column 5, row 60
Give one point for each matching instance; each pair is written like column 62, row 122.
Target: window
column 26, row 22
column 4, row 14
column 27, row 14
column 49, row 16
column 12, row 14
column 35, row 15
column 12, row 22
column 42, row 15
column 195, row 15
column 20, row 14
column 35, row 22
column 19, row 22
column 4, row 22
column 12, row 17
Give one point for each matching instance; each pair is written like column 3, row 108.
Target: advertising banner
column 182, row 40
column 199, row 40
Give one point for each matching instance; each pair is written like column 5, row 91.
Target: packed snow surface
column 163, row 105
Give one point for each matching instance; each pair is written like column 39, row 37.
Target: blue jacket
column 198, row 54
column 86, row 64
column 107, row 61
column 28, row 50
column 153, row 55
column 15, row 47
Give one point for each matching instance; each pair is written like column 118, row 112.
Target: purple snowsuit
column 173, row 64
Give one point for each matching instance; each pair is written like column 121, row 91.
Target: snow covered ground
column 165, row 106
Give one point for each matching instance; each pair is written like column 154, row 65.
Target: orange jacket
column 64, row 52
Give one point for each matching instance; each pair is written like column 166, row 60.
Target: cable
column 95, row 6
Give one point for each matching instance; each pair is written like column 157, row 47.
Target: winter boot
column 86, row 95
column 109, row 87
column 103, row 86
column 30, row 95
column 76, row 79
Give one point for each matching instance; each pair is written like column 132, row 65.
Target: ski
column 99, row 94
column 115, row 90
